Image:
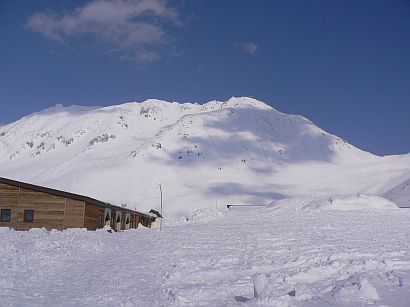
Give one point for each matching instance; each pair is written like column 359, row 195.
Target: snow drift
column 336, row 202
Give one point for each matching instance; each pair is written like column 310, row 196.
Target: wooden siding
column 50, row 211
column 113, row 218
column 9, row 199
column 55, row 209
column 123, row 217
column 74, row 214
column 137, row 220
column 145, row 221
column 93, row 217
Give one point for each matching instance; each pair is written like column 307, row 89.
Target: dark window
column 128, row 220
column 28, row 216
column 5, row 215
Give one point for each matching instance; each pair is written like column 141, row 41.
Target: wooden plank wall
column 145, row 221
column 123, row 217
column 113, row 217
column 74, row 213
column 50, row 211
column 93, row 217
column 137, row 220
column 9, row 199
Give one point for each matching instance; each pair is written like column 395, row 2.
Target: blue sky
column 343, row 64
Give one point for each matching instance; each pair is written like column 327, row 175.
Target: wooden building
column 24, row 206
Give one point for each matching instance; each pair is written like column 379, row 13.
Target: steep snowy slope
column 239, row 151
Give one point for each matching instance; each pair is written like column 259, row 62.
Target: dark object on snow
column 292, row 293
column 242, row 299
column 155, row 212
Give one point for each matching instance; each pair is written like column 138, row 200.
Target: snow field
column 284, row 255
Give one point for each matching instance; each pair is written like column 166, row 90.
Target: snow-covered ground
column 292, row 253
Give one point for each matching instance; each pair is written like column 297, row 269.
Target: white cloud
column 132, row 29
column 248, row 47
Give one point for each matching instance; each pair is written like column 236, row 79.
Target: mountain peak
column 239, row 150
column 249, row 101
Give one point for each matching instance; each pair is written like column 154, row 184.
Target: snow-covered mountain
column 238, row 151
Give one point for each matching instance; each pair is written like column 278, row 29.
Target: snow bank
column 356, row 286
column 400, row 194
column 359, row 202
column 342, row 203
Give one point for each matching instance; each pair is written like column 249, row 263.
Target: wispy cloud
column 248, row 47
column 131, row 29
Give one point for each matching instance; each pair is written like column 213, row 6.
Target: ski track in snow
column 296, row 257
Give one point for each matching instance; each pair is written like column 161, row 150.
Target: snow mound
column 267, row 289
column 368, row 290
column 400, row 194
column 342, row 203
column 358, row 202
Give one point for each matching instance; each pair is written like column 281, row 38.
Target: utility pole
column 160, row 223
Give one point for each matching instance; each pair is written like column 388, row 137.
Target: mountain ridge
column 238, row 151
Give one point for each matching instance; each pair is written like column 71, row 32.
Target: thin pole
column 160, row 223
